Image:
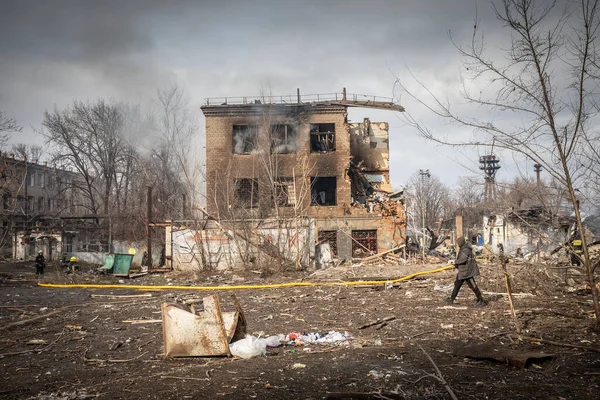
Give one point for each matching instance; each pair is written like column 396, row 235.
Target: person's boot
column 449, row 300
column 481, row 302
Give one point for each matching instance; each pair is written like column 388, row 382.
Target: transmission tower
column 489, row 165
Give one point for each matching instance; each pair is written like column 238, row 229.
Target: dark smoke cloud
column 53, row 52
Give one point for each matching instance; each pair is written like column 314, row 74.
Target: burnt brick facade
column 300, row 168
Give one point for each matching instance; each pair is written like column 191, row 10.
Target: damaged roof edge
column 327, row 99
column 361, row 104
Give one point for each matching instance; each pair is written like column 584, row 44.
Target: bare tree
column 428, row 201
column 28, row 152
column 7, row 125
column 467, row 200
column 547, row 113
column 176, row 171
column 88, row 137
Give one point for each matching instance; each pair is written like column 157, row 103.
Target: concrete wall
column 513, row 235
column 212, row 248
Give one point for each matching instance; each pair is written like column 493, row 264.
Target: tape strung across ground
column 239, row 287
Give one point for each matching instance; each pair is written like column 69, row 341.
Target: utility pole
column 148, row 228
column 424, row 173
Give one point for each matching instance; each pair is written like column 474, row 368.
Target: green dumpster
column 122, row 264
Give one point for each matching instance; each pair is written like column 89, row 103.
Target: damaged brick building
column 284, row 158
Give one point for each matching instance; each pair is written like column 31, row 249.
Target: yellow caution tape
column 239, row 287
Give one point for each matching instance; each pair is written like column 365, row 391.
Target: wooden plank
column 379, row 255
column 123, row 296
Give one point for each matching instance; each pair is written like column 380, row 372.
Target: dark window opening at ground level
column 329, row 237
column 323, row 191
column 364, row 243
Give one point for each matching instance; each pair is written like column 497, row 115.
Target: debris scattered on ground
column 516, row 358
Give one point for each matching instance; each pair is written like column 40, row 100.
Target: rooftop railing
column 299, row 99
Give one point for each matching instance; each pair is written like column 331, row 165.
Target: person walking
column 467, row 271
column 40, row 263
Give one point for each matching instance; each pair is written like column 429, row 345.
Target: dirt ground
column 85, row 350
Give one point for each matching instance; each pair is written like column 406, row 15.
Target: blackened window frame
column 289, row 134
column 246, row 192
column 322, row 137
column 327, row 185
column 252, row 143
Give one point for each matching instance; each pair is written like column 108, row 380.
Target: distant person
column 40, row 263
column 467, row 271
column 576, row 249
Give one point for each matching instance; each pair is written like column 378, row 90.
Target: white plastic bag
column 248, row 347
column 273, row 341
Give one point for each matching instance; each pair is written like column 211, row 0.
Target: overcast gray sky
column 53, row 52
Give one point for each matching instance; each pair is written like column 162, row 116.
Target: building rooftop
column 323, row 99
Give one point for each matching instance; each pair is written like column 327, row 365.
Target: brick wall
column 223, row 166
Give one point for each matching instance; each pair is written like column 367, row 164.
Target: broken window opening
column 285, row 192
column 246, row 192
column 245, row 139
column 283, row 139
column 323, row 191
column 329, row 237
column 364, row 243
column 322, row 138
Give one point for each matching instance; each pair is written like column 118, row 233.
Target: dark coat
column 465, row 262
column 39, row 259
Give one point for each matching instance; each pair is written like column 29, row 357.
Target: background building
column 42, row 209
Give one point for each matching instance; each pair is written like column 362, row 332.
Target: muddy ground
column 87, row 351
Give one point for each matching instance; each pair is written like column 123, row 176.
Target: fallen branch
column 21, row 305
column 85, row 359
column 357, row 395
column 421, row 334
column 513, row 294
column 439, row 376
column 185, row 378
column 142, row 321
column 38, row 350
column 510, row 301
column 551, row 342
column 379, row 321
column 26, row 321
